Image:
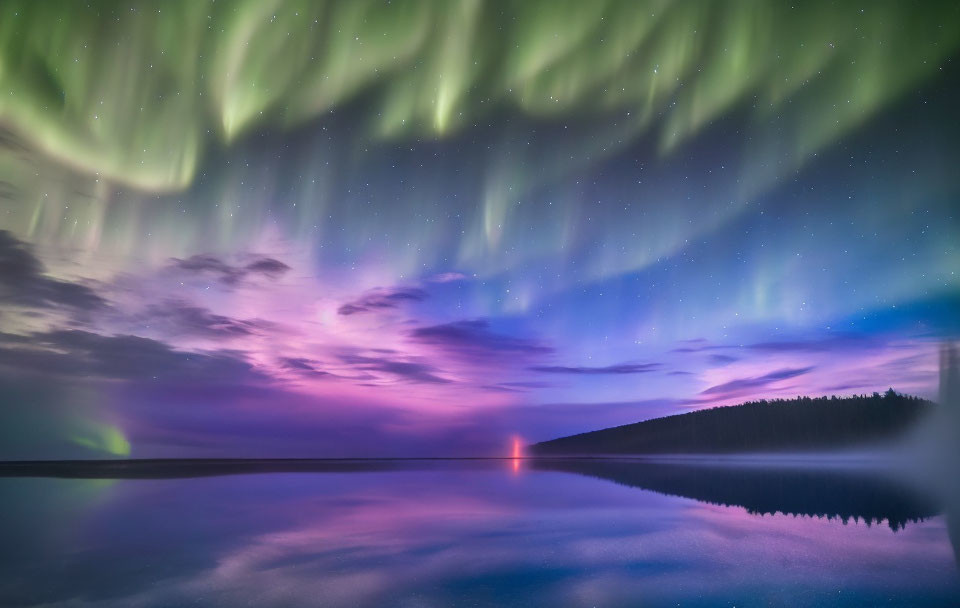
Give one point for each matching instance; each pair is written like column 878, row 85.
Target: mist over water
column 935, row 447
column 931, row 452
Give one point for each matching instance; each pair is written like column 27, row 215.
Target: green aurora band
column 137, row 93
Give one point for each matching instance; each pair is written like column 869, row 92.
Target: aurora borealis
column 283, row 228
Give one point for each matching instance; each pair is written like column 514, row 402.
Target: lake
column 425, row 533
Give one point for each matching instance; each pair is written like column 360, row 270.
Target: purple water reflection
column 450, row 535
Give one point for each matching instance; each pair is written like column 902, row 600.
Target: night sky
column 358, row 228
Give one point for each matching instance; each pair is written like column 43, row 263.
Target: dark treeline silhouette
column 823, row 493
column 804, row 423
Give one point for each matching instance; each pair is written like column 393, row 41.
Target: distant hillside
column 804, row 423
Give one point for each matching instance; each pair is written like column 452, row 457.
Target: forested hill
column 803, row 423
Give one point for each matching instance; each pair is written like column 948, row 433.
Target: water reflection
column 847, row 494
column 442, row 533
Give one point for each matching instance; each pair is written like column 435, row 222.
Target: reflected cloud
column 430, row 534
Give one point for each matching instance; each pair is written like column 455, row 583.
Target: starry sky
column 365, row 228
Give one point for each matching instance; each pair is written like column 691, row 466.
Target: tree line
column 803, row 423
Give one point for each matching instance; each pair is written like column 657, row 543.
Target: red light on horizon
column 516, row 454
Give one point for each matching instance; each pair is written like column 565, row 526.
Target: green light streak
column 135, row 92
column 106, row 438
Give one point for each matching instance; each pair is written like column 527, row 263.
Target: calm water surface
column 474, row 533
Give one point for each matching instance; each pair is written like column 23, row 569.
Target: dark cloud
column 502, row 388
column 845, row 342
column 833, row 342
column 23, row 281
column 229, row 274
column 622, row 368
column 209, row 264
column 722, row 359
column 738, row 386
column 267, row 267
column 407, row 370
column 302, row 366
column 473, row 339
column 182, row 318
column 516, row 387
column 76, row 353
column 379, row 299
column 846, row 386
column 698, row 346
column 526, row 384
